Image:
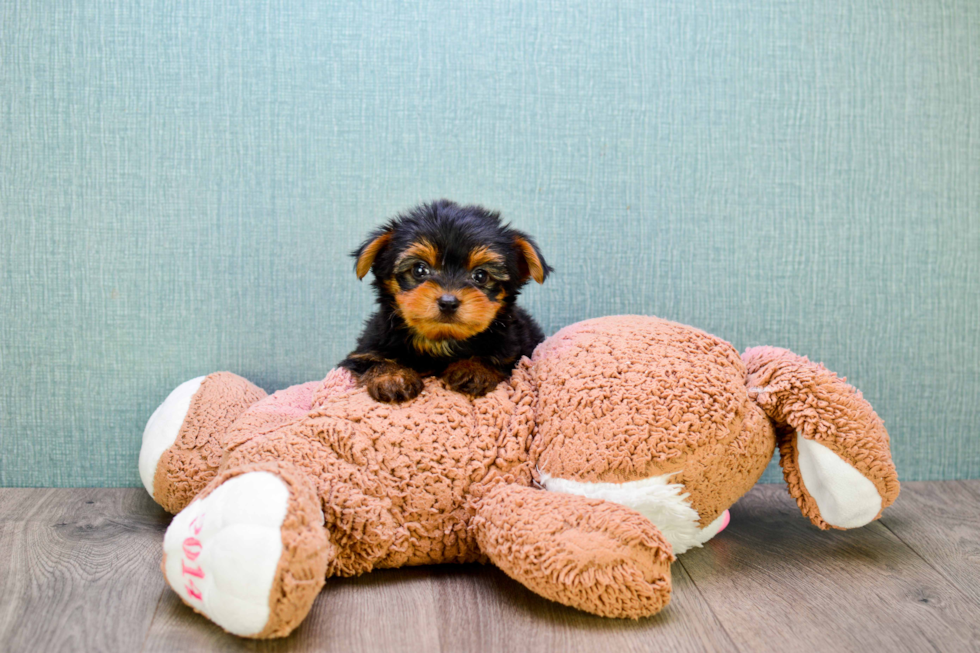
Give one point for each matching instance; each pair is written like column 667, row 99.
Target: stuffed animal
column 620, row 444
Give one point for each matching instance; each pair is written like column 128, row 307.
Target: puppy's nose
column 448, row 303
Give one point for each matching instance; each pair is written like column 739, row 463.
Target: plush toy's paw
column 251, row 554
column 472, row 377
column 162, row 429
column 392, row 383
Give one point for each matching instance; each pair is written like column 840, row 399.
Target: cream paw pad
column 222, row 551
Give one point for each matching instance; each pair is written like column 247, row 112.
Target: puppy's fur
column 446, row 278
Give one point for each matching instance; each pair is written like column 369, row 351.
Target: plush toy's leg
column 251, row 552
column 834, row 449
column 182, row 442
column 590, row 554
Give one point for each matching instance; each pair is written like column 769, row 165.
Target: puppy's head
column 448, row 269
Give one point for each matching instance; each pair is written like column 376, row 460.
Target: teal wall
column 181, row 182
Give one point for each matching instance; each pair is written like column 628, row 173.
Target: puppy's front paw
column 472, row 377
column 391, row 383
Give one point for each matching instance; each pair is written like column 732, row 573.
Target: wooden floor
column 79, row 571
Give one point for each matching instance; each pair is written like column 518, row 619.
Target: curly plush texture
column 622, row 404
column 587, row 553
column 396, row 481
column 645, row 397
column 609, row 398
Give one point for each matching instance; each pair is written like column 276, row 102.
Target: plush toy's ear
column 530, row 261
column 369, row 250
column 834, row 449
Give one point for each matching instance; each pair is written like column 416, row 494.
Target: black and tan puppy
column 446, row 277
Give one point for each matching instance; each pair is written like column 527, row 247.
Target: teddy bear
column 618, row 445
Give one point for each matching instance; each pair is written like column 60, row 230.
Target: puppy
column 446, row 278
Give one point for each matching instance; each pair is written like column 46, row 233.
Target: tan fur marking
column 534, row 267
column 476, row 309
column 432, row 347
column 482, row 256
column 419, row 309
column 366, row 259
column 423, row 250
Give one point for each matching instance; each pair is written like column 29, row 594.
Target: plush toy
column 620, row 444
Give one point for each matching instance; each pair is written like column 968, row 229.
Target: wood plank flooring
column 79, row 571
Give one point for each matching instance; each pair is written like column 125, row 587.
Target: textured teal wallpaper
column 181, row 182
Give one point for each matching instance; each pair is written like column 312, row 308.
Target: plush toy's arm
column 833, row 448
column 185, row 437
column 586, row 553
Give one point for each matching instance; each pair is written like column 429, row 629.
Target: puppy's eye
column 480, row 275
column 420, row 271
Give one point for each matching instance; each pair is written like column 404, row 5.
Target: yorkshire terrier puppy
column 446, row 278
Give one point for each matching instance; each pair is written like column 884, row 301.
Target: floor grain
column 388, row 610
column 778, row 583
column 482, row 609
column 941, row 523
column 80, row 571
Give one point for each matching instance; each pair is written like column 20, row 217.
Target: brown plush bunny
column 621, row 443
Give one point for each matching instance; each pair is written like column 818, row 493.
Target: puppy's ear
column 369, row 250
column 529, row 259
